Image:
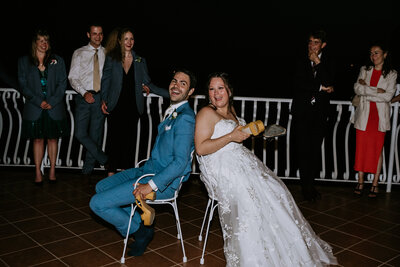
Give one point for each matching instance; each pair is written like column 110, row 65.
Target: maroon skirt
column 369, row 143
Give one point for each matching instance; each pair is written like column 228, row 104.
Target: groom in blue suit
column 170, row 159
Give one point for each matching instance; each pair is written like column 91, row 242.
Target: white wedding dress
column 260, row 221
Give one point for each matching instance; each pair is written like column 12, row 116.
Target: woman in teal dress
column 43, row 80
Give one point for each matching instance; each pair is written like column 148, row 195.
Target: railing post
column 392, row 143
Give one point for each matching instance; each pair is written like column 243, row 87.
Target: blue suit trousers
column 114, row 196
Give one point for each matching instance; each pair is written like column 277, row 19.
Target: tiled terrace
column 52, row 225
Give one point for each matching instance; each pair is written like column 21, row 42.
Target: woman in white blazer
column 376, row 85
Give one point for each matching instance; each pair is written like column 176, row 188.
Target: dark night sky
column 254, row 41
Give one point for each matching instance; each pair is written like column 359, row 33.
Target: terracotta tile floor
column 52, row 225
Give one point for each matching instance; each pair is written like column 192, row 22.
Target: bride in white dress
column 261, row 223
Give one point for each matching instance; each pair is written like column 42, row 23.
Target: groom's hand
column 142, row 190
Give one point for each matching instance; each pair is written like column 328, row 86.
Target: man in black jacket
column 313, row 85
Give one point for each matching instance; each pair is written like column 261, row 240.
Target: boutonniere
column 174, row 115
column 53, row 62
column 138, row 59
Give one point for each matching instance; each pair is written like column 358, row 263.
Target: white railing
column 337, row 148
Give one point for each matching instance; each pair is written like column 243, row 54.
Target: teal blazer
column 171, row 156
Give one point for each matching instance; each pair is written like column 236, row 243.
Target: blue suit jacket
column 29, row 82
column 171, row 155
column 111, row 82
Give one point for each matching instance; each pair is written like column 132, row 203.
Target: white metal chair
column 170, row 201
column 211, row 205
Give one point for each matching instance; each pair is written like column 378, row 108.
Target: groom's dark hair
column 192, row 76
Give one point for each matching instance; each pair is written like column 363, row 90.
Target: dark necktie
column 313, row 68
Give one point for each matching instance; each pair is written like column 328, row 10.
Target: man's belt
column 93, row 92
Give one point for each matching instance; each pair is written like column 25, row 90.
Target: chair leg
column 133, row 208
column 204, row 220
column 178, row 226
column 208, row 229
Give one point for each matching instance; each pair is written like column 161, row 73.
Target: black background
column 255, row 41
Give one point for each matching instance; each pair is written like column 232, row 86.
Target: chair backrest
column 183, row 176
column 181, row 179
column 179, row 188
column 205, row 176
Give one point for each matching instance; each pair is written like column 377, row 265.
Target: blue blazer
column 31, row 87
column 111, row 82
column 172, row 151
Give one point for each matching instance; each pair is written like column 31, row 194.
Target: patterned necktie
column 96, row 72
column 168, row 112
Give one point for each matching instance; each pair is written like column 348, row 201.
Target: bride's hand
column 237, row 135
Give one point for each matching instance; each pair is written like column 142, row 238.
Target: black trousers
column 309, row 131
column 121, row 140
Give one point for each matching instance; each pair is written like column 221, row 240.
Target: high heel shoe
column 38, row 183
column 254, row 127
column 148, row 212
column 38, row 179
column 373, row 193
column 359, row 190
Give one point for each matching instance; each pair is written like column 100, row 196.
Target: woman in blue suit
column 43, row 80
column 125, row 77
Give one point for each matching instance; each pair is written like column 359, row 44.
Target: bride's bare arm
column 205, row 121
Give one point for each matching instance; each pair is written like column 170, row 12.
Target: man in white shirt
column 85, row 76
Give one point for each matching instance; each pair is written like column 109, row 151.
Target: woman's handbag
column 356, row 100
